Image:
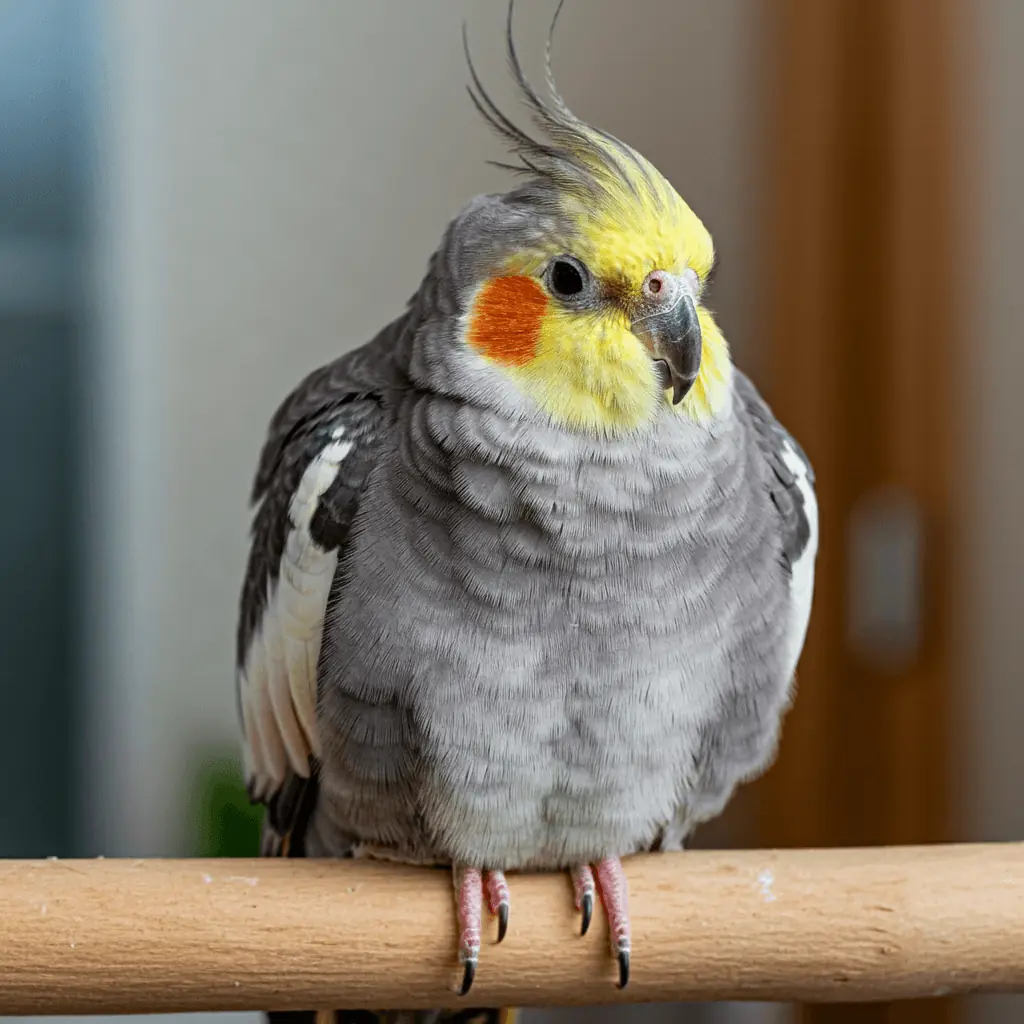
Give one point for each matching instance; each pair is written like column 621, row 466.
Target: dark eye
column 567, row 278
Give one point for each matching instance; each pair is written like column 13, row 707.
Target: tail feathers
column 288, row 812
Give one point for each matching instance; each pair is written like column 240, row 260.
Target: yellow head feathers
column 614, row 213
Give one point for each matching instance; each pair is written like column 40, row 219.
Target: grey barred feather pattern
column 540, row 647
column 549, row 648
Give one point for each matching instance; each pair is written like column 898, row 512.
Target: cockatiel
column 531, row 570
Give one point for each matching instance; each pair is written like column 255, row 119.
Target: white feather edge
column 278, row 682
column 801, row 588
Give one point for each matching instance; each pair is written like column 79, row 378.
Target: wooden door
column 864, row 365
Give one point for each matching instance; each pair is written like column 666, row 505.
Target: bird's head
column 584, row 286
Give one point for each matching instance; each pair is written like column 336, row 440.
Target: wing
column 791, row 485
column 790, row 481
column 319, row 452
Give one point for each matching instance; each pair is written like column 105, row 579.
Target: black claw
column 468, row 976
column 587, row 907
column 623, row 968
column 502, row 921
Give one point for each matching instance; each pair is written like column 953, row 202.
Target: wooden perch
column 137, row 936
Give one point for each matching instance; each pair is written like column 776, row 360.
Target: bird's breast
column 532, row 643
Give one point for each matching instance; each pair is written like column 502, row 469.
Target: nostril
column 656, row 284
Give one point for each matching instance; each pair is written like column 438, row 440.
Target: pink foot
column 470, row 894
column 498, row 899
column 606, row 876
column 615, row 896
column 469, row 886
column 583, row 891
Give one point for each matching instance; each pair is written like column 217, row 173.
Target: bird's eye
column 567, row 278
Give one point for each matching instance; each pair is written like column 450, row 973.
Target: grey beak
column 673, row 336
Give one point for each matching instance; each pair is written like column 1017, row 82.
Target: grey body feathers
column 540, row 648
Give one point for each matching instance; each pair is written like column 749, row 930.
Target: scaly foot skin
column 471, row 883
column 469, row 886
column 583, row 891
column 611, row 880
column 498, row 899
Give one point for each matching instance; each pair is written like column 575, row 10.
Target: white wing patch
column 802, row 583
column 278, row 683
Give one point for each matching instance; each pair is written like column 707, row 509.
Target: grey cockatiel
column 531, row 570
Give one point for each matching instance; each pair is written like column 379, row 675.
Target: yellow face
column 585, row 366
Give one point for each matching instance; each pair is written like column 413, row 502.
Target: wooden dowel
column 118, row 936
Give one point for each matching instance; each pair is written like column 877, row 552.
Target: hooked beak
column 669, row 329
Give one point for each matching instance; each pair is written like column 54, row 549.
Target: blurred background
column 200, row 200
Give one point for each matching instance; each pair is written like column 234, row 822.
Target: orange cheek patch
column 506, row 321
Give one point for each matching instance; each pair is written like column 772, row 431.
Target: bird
column 531, row 570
